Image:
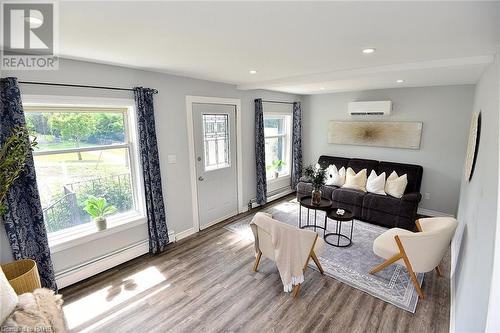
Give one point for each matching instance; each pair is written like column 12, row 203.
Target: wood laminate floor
column 205, row 283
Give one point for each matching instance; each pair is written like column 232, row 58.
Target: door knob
column 201, row 178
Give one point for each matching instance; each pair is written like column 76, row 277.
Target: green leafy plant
column 316, row 175
column 13, row 156
column 276, row 165
column 98, row 208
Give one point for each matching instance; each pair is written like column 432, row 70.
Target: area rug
column 351, row 264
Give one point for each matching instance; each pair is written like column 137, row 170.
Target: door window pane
column 216, row 141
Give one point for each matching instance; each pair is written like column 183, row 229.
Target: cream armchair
column 306, row 241
column 421, row 251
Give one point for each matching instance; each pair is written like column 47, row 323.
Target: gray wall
column 170, row 113
column 444, row 112
column 477, row 214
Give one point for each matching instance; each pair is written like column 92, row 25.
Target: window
column 216, row 141
column 277, row 133
column 83, row 152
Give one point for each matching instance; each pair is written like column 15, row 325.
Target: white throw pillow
column 335, row 177
column 8, row 298
column 356, row 181
column 396, row 185
column 376, row 184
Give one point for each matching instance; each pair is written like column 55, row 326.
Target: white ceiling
column 297, row 47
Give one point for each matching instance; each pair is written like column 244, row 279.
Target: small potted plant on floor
column 317, row 176
column 98, row 209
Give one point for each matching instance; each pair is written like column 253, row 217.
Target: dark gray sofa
column 374, row 208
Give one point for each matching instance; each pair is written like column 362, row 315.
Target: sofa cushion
column 396, row 184
column 358, row 164
column 356, row 181
column 334, row 176
column 413, row 173
column 339, row 162
column 349, row 199
column 382, row 203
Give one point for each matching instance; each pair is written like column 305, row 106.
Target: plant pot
column 101, row 223
column 316, row 196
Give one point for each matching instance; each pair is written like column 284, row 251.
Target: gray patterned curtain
column 157, row 223
column 296, row 144
column 24, row 219
column 260, row 153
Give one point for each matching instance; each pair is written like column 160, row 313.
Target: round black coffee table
column 325, row 205
column 348, row 216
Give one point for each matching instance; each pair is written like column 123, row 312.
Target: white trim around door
column 192, row 163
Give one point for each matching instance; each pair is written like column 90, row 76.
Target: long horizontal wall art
column 377, row 133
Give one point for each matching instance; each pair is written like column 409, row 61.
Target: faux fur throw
column 40, row 311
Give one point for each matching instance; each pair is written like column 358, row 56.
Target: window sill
column 279, row 179
column 78, row 235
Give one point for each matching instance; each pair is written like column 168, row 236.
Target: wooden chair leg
column 439, row 271
column 409, row 268
column 386, row 263
column 296, row 290
column 257, row 260
column 316, row 261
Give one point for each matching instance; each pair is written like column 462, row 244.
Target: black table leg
column 300, row 216
column 324, row 228
column 352, row 227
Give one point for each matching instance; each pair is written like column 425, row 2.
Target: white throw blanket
column 291, row 248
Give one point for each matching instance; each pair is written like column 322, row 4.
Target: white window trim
column 288, row 145
column 84, row 233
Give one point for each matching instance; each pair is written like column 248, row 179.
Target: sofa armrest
column 304, row 179
column 412, row 197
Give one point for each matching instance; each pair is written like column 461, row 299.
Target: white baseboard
column 274, row 197
column 433, row 213
column 185, row 233
column 83, row 271
column 98, row 265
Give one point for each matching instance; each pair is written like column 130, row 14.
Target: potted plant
column 276, row 166
column 98, row 209
column 13, row 154
column 317, row 176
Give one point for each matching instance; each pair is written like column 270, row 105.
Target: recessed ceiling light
column 400, row 81
column 368, row 50
column 322, row 88
column 33, row 20
column 252, row 71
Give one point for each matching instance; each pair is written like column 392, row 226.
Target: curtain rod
column 79, row 86
column 278, row 102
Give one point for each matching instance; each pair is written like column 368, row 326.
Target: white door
column 215, row 156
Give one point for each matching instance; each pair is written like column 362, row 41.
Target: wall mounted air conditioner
column 374, row 108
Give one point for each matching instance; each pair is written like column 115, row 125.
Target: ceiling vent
column 374, row 108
